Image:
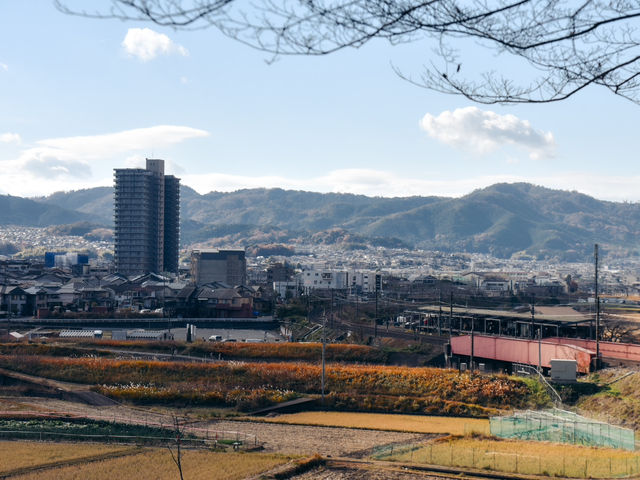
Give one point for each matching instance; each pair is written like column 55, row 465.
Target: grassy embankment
column 252, row 385
column 612, row 395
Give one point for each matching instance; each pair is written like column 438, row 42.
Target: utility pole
column 595, row 254
column 375, row 318
column 450, row 315
column 331, row 308
column 439, row 313
column 533, row 315
column 472, row 344
column 324, row 341
column 540, row 349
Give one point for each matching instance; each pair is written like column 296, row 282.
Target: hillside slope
column 502, row 219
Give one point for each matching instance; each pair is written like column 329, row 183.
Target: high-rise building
column 147, row 219
column 227, row 266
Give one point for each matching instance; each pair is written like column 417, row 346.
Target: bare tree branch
column 566, row 45
column 179, row 433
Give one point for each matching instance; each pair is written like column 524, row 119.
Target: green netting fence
column 557, row 425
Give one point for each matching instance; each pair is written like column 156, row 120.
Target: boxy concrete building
column 226, row 266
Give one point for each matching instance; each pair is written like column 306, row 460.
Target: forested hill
column 502, row 219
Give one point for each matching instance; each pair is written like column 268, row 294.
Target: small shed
column 149, row 335
column 564, row 371
column 80, row 334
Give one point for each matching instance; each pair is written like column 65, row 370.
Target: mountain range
column 502, row 220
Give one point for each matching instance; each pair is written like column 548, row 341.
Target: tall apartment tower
column 147, row 219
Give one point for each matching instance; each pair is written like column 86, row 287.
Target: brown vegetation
column 379, row 421
column 252, row 385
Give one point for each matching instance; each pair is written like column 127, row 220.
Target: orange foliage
column 335, row 352
column 354, row 387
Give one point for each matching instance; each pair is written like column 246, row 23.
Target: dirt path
column 334, row 473
column 331, row 441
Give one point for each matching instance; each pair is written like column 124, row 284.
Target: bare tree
column 179, row 434
column 617, row 329
column 567, row 45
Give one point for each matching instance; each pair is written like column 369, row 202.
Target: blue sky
column 79, row 97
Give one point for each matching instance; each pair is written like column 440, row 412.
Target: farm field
column 15, row 455
column 512, row 456
column 14, row 404
column 392, row 422
column 249, row 386
column 156, row 463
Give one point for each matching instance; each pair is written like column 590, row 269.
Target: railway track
column 392, row 332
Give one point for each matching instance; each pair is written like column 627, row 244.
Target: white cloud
column 147, row 44
column 135, row 161
column 485, row 131
column 10, row 138
column 4, row 66
column 96, row 146
column 184, row 80
column 66, row 163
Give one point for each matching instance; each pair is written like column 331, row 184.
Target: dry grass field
column 15, row 455
column 12, row 404
column 389, row 422
column 531, row 458
column 157, row 464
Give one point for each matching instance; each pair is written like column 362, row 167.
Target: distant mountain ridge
column 29, row 213
column 503, row 219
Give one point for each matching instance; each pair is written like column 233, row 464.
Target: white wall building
column 362, row 281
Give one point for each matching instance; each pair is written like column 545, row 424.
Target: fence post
column 626, row 465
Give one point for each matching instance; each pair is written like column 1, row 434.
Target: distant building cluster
column 306, row 280
column 30, row 289
column 223, row 283
column 64, row 259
